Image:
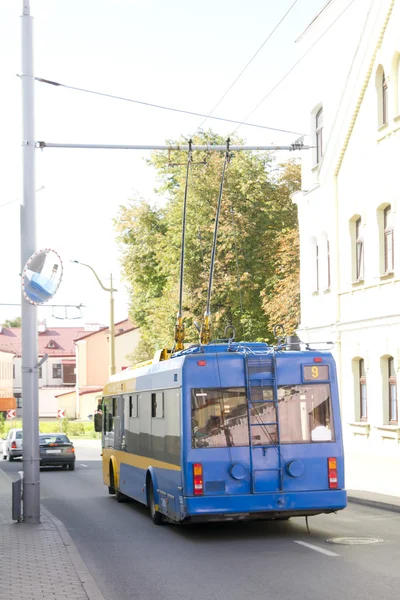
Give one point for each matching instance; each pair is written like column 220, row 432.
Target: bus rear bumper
column 273, row 505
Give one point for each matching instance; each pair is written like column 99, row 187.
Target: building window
column 319, row 125
column 18, row 398
column 328, row 264
column 13, row 371
column 384, row 92
column 57, row 371
column 359, row 252
column 388, row 239
column 363, row 391
column 393, row 413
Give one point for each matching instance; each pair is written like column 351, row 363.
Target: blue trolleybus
column 226, row 431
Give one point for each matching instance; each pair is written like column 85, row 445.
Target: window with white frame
column 381, row 85
column 319, row 126
column 392, row 396
column 359, row 251
column 363, row 390
column 388, row 241
column 384, row 92
column 314, row 271
column 328, row 264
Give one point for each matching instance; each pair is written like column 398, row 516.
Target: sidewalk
column 375, row 500
column 40, row 562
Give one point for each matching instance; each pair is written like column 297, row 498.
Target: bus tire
column 111, row 488
column 120, row 496
column 156, row 517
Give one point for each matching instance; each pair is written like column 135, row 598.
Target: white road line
column 81, row 465
column 317, row 548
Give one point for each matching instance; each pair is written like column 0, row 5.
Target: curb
column 374, row 504
column 87, row 581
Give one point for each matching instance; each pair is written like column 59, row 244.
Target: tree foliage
column 16, row 322
column 255, row 215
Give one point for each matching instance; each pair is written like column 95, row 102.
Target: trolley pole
column 30, row 384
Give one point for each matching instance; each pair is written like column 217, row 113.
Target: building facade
column 56, row 374
column 6, row 374
column 92, row 360
column 349, row 216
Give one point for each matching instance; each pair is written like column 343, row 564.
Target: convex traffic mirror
column 42, row 276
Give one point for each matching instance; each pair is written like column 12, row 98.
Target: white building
column 349, row 216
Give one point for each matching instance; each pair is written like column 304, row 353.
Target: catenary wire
column 292, row 68
column 177, row 110
column 247, row 65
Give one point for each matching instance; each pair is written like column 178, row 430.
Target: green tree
column 16, row 322
column 256, row 209
column 282, row 304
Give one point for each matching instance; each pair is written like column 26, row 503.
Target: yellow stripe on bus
column 133, row 460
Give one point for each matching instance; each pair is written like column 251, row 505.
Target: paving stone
column 35, row 563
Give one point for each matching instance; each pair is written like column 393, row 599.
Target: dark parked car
column 56, row 450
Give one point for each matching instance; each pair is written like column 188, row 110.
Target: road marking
column 81, row 465
column 317, row 548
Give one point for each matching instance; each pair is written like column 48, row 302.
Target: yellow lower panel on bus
column 142, row 462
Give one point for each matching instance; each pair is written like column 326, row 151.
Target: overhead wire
column 292, row 68
column 152, row 105
column 247, row 65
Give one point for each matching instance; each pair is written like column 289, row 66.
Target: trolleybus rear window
column 219, row 417
column 305, row 413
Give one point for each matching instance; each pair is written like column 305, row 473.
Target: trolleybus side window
column 134, row 406
column 219, row 417
column 305, row 413
column 157, row 405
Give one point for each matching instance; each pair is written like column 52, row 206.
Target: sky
column 180, row 54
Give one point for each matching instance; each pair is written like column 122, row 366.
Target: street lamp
column 112, row 368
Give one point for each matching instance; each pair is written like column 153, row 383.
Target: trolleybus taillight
column 198, row 479
column 332, row 473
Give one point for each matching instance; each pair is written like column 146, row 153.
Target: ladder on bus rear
column 260, row 373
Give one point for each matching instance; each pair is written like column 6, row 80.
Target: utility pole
column 30, row 383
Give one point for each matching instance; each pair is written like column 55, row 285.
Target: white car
column 12, row 446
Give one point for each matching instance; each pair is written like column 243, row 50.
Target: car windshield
column 53, row 439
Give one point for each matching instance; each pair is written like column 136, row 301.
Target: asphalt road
column 129, row 557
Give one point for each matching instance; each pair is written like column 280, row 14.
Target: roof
column 55, row 341
column 119, row 329
column 81, row 391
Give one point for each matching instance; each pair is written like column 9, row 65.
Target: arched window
column 319, row 125
column 392, row 399
column 382, row 96
column 359, row 252
column 395, row 78
column 384, row 92
column 314, row 271
column 363, row 390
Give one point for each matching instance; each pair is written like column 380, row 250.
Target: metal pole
column 30, row 384
column 184, row 148
column 112, row 336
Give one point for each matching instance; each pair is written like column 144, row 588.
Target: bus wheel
column 111, row 488
column 120, row 496
column 157, row 517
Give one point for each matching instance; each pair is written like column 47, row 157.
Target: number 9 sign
column 315, row 373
